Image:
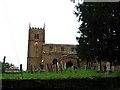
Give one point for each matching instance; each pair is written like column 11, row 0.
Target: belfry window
column 36, row 36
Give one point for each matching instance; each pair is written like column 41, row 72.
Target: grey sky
column 61, row 25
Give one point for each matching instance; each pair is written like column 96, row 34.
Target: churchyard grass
column 68, row 73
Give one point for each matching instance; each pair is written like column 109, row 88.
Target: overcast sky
column 61, row 25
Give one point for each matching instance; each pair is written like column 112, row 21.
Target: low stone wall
column 82, row 83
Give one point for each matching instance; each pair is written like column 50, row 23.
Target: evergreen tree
column 99, row 31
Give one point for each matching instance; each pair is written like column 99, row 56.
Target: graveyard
column 65, row 74
column 78, row 78
column 90, row 70
column 92, row 75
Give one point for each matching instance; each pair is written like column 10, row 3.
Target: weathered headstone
column 112, row 68
column 108, row 67
column 98, row 67
column 46, row 67
column 85, row 66
column 118, row 68
column 103, row 65
column 73, row 69
column 64, row 65
column 60, row 68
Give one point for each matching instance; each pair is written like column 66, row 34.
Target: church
column 47, row 57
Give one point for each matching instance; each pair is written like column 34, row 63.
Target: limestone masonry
column 46, row 57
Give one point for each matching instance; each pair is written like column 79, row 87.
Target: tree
column 99, row 31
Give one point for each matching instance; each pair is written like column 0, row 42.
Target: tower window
column 36, row 36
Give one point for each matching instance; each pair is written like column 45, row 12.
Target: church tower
column 36, row 39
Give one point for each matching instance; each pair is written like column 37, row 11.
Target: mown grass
column 78, row 73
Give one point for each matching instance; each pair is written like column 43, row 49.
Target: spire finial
column 44, row 26
column 29, row 25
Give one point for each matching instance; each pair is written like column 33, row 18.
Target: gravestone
column 98, row 67
column 112, row 68
column 64, row 65
column 85, row 66
column 108, row 67
column 103, row 66
column 117, row 68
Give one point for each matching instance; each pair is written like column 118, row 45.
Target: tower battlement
column 37, row 28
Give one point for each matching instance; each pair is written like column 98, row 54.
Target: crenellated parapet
column 36, row 28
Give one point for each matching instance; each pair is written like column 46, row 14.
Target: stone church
column 43, row 56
